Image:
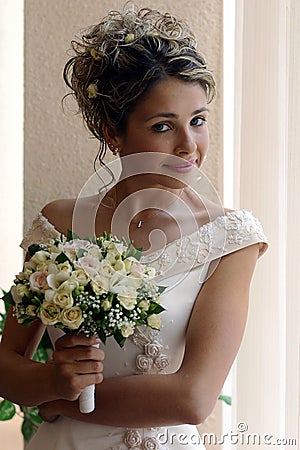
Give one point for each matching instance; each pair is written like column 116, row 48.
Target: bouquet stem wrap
column 87, row 397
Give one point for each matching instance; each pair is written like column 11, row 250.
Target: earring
column 115, row 150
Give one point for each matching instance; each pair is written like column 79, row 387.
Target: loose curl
column 119, row 59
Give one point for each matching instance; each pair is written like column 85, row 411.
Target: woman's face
column 171, row 119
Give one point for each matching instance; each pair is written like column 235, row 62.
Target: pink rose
column 38, row 281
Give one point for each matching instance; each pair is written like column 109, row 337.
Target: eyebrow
column 175, row 116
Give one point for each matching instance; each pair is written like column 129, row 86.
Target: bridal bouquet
column 96, row 287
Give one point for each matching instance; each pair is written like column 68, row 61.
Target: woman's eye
column 198, row 121
column 160, row 127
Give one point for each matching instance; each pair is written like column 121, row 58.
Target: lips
column 183, row 167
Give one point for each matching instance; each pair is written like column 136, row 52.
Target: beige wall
column 58, row 151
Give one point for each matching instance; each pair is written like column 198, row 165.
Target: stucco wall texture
column 59, row 151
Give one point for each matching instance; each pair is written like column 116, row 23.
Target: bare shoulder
column 59, row 213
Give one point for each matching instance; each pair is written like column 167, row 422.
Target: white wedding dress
column 182, row 267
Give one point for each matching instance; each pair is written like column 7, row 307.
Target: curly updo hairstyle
column 116, row 61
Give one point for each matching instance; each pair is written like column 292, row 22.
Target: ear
column 111, row 137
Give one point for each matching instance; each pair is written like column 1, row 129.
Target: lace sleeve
column 40, row 231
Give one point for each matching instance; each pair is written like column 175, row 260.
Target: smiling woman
column 143, row 90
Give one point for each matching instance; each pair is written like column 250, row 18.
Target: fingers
column 72, row 340
column 79, row 353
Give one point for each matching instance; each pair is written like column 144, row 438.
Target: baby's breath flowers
column 95, row 287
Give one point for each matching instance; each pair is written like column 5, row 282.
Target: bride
column 143, row 91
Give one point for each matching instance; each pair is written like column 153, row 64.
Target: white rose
column 50, row 313
column 22, row 290
column 63, row 299
column 126, row 330
column 127, row 302
column 94, row 251
column 154, row 321
column 40, row 257
column 71, row 248
column 38, row 281
column 72, row 317
column 89, row 264
column 80, row 276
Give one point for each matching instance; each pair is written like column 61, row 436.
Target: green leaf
column 8, row 299
column 7, row 410
column 34, row 414
column 161, row 289
column 28, row 429
column 226, row 399
column 32, row 249
column 119, row 338
column 81, row 252
column 155, row 308
column 71, row 236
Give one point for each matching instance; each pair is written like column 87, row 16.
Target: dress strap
column 40, row 231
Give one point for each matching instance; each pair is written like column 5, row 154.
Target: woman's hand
column 77, row 364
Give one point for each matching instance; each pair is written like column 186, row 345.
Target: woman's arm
column 28, row 382
column 213, row 338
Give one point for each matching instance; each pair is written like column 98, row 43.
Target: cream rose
column 154, row 321
column 38, row 281
column 22, row 290
column 63, row 299
column 106, row 305
column 161, row 362
column 50, row 313
column 80, row 276
column 72, row 317
column 144, row 305
column 126, row 330
column 144, row 363
column 40, row 257
column 127, row 302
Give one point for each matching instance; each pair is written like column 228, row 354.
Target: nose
column 185, row 144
